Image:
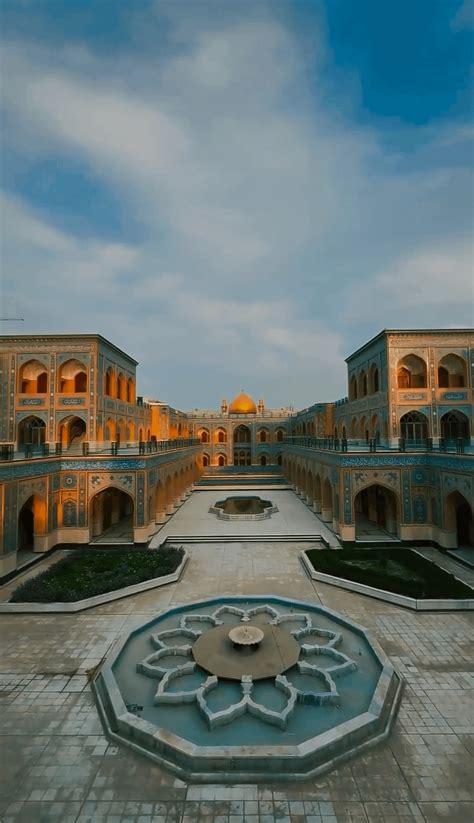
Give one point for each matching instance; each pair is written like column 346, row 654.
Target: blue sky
column 238, row 194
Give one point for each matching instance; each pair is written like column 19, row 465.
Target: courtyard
column 58, row 765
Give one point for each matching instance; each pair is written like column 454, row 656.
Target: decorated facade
column 82, row 454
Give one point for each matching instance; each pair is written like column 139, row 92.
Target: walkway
column 58, row 766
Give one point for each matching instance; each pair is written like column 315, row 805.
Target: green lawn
column 395, row 570
column 91, row 572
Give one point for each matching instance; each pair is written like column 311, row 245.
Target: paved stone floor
column 57, row 765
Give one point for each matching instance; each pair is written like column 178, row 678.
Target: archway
column 326, row 510
column 112, row 516
column 221, row 460
column 31, row 432
column 71, row 432
column 452, row 372
column 32, row 521
column 454, row 425
column 33, row 378
column 160, row 502
column 317, row 493
column 204, row 436
column 242, row 453
column 376, row 511
column 221, row 436
column 459, row 521
column 411, row 372
column 263, row 459
column 72, row 377
column 414, row 427
column 205, row 460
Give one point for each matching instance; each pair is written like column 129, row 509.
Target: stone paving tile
column 57, row 764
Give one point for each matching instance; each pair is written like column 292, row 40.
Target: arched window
column 454, row 425
column 414, row 427
column 263, row 460
column 373, row 379
column 33, row 378
column 280, row 435
column 110, row 382
column 205, row 460
column 72, row 377
column 411, row 372
column 363, row 384
column 122, row 387
column 262, row 436
column 279, row 460
column 31, row 431
column 204, row 436
column 130, row 390
column 452, row 372
column 221, row 460
column 353, row 388
column 222, row 436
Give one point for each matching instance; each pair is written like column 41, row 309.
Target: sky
column 238, row 194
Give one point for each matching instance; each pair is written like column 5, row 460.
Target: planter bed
column 399, row 576
column 96, row 577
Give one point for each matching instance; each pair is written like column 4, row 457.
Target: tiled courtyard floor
column 57, row 765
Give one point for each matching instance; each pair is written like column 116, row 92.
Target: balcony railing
column 457, row 445
column 30, row 451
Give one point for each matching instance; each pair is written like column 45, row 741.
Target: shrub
column 92, row 572
column 395, row 570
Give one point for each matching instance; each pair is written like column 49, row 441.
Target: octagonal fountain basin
column 243, row 507
column 247, row 688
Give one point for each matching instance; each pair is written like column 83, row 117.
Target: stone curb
column 98, row 600
column 389, row 597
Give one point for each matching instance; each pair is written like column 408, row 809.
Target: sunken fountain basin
column 243, row 507
column 309, row 693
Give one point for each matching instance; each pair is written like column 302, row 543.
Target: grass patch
column 96, row 572
column 394, row 570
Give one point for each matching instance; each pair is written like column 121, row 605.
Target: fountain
column 245, row 689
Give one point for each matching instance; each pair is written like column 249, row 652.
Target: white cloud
column 273, row 231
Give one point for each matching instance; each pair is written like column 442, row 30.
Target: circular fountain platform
column 314, row 692
column 277, row 651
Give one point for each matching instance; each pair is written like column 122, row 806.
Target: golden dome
column 242, row 404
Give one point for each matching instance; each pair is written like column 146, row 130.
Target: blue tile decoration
column 419, row 508
column 69, row 513
column 406, row 496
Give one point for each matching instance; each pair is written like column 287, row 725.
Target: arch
column 130, row 390
column 221, row 436
column 374, row 427
column 221, row 460
column 354, row 427
column 131, row 431
column 411, row 372
column 363, row 428
column 71, row 431
column 263, row 459
column 279, row 460
column 32, row 521
column 263, row 435
column 203, row 435
column 120, row 432
column 310, row 486
column 452, row 372
column 33, row 378
column 111, row 509
column 205, row 460
column 374, row 379
column 169, row 494
column 110, row 429
column 122, row 387
column 362, row 384
column 458, row 519
column 376, row 509
column 326, row 508
column 242, row 434
column 31, row 431
column 72, row 377
column 111, row 382
column 414, row 427
column 280, row 433
column 454, row 425
column 353, row 388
